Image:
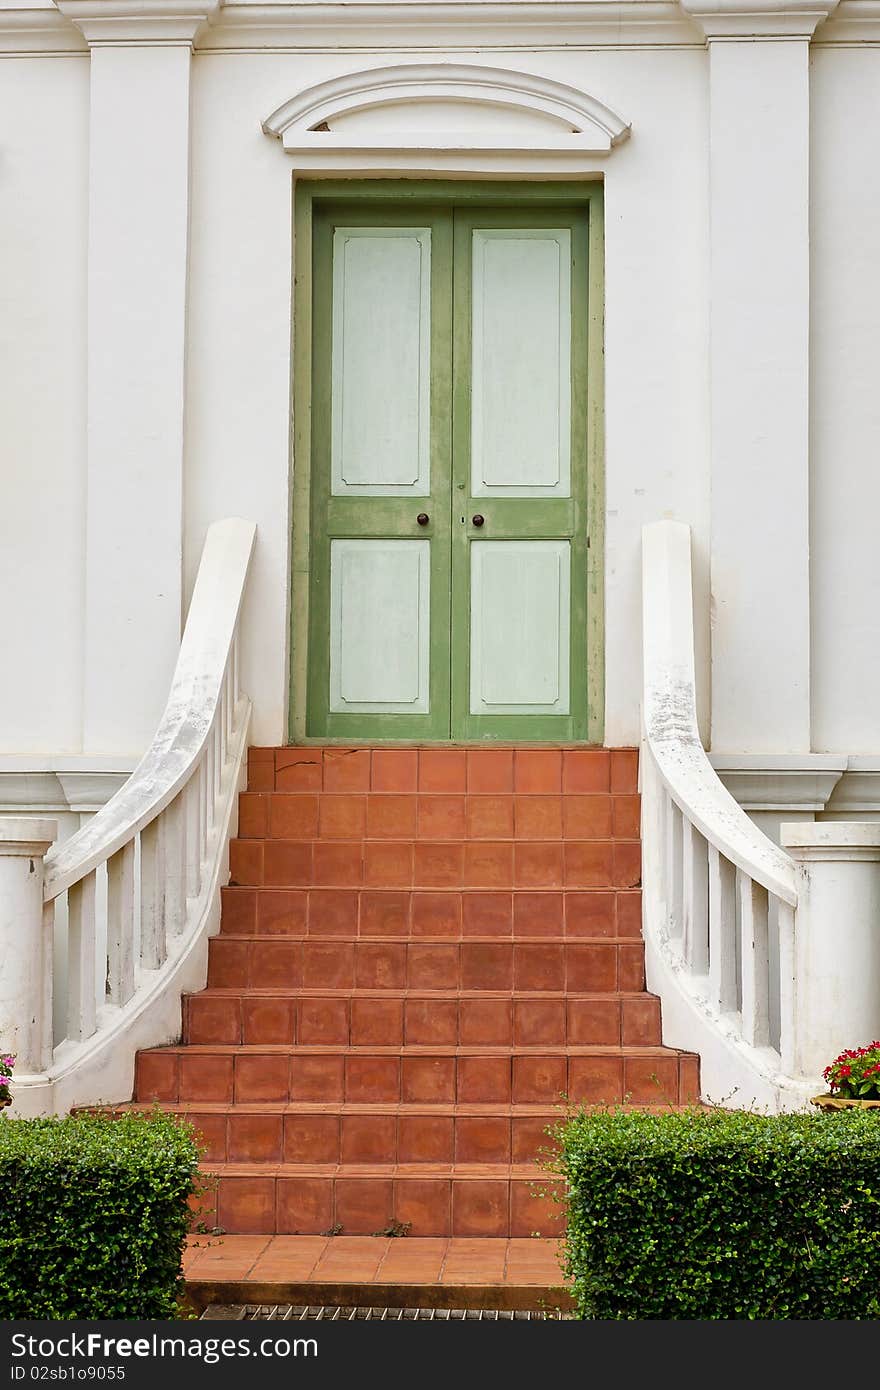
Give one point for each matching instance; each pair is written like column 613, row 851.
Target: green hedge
column 722, row 1214
column 94, row 1215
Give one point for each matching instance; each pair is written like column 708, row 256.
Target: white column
column 137, row 285
column 759, row 294
column 837, row 939
column 25, row 944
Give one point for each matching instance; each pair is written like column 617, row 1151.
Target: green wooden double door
column 449, row 529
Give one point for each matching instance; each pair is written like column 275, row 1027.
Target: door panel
column 379, row 626
column 519, row 650
column 521, row 372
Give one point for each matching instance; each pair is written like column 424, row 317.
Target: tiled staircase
column 421, row 950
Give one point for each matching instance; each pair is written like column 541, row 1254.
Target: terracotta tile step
column 537, row 771
column 430, row 1075
column 437, row 816
column 482, row 1200
column 363, row 1018
column 401, row 861
column 454, row 912
column 583, row 966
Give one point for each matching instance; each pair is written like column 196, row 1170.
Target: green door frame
column 310, row 198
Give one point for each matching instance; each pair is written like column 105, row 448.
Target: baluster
column 47, row 1040
column 225, row 730
column 153, row 944
column 787, row 994
column 236, row 671
column 722, row 930
column 217, row 747
column 120, row 925
column 754, row 960
column 674, row 887
column 202, row 784
column 191, row 855
column 175, row 841
column 209, row 786
column 81, row 1001
column 695, row 885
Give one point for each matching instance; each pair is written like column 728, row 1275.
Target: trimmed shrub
column 707, row 1214
column 94, row 1215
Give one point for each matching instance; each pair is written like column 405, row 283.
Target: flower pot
column 829, row 1102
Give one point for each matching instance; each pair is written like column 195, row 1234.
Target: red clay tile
column 261, row 772
column 349, row 1258
column 275, row 962
column 287, row 863
column 391, row 817
column 483, row 1079
column 424, row 1205
column 338, row 863
column 538, row 865
column 363, row 1205
column 594, row 1022
column 588, row 863
column 346, row 769
column 327, row 964
column 439, row 865
column 431, row 1022
column 311, row 1138
column 212, row 1132
column 627, row 817
column 316, row 1078
column 538, row 967
column 442, row 817
column 480, row 1207
column 640, row 1021
column 246, row 862
column 538, row 817
column 372, row 1078
column 627, row 864
column 388, row 865
column 293, row 817
column 689, row 1078
column 538, row 1022
column 587, row 817
column 539, row 1080
column 305, row 1205
column 267, row 1021
column 629, row 914
column 282, row 911
column 384, row 913
column 631, row 967
column 436, row 914
column 238, row 910
column 590, row 968
column 595, row 1080
column 486, row 965
column 490, row 770
column 486, row 914
column 428, row 1080
column 432, row 965
column 212, row 1018
column 254, row 1138
column 394, row 770
column 425, row 1139
column 651, row 1080
column 380, row 965
column 534, row 1210
column 624, row 770
column 537, row 770
column 589, row 914
column 333, row 912
column 206, row 1076
column 298, row 769
column 586, row 770
column 528, row 1140
column 488, row 864
column 253, row 814
column 368, row 1139
column 417, row 1260
column 442, row 770
column 485, row 1021
column 264, row 1076
column 482, row 1139
column 156, row 1076
column 228, row 962
column 537, row 914
column 376, row 1023
column 247, row 1204
column 490, row 817
column 343, row 817
column 323, row 1022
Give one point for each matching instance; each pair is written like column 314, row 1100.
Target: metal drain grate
column 288, row 1312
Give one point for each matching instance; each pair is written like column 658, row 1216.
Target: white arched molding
column 426, row 118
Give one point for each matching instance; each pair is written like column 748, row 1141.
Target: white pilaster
column 137, row 284
column 759, row 367
column 25, row 980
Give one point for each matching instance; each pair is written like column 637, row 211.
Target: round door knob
column 423, row 518
column 478, row 520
